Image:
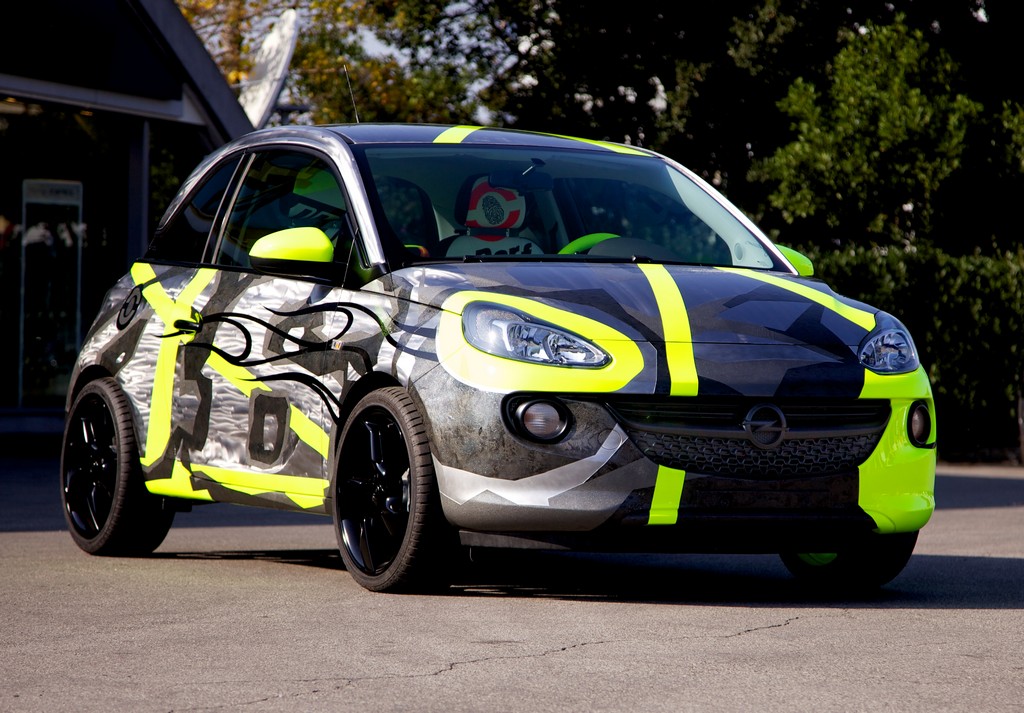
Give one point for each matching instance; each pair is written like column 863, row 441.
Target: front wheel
column 106, row 504
column 387, row 511
column 867, row 564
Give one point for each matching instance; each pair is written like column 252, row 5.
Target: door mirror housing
column 305, row 253
column 802, row 263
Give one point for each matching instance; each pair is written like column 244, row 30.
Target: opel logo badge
column 129, row 308
column 766, row 427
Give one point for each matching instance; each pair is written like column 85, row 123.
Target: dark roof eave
column 171, row 30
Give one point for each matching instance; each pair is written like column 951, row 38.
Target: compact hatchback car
column 449, row 337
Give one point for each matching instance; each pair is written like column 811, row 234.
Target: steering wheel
column 585, row 242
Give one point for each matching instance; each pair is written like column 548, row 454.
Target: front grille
column 708, row 435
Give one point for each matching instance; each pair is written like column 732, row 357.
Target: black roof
column 382, row 133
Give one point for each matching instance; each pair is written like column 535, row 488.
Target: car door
column 169, row 285
column 249, row 386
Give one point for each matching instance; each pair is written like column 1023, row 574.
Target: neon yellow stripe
column 240, row 377
column 179, row 485
column 458, row 134
column 676, row 327
column 168, row 310
column 306, row 492
column 308, row 432
column 195, row 287
column 306, row 502
column 617, row 148
column 455, row 135
column 159, row 433
column 265, row 482
column 142, row 272
column 859, row 317
column 668, row 491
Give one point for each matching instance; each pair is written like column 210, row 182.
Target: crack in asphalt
column 345, row 682
column 562, row 649
column 787, row 622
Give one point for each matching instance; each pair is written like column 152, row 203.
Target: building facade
column 105, row 106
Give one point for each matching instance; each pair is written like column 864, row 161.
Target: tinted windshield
column 466, row 202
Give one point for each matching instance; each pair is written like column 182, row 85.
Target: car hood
column 696, row 330
column 721, row 305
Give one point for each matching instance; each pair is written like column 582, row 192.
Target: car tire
column 387, row 511
column 106, row 505
column 868, row 564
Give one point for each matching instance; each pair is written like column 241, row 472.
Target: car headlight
column 889, row 348
column 506, row 332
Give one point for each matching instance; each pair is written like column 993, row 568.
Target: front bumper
column 603, row 488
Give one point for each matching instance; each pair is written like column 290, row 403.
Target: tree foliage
column 883, row 137
column 872, row 152
column 231, row 29
column 969, row 342
column 339, row 79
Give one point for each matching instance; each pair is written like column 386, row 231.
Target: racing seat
column 493, row 219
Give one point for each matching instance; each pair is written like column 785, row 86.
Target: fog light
column 919, row 424
column 542, row 420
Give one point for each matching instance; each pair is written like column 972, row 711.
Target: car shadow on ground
column 928, row 582
column 319, row 558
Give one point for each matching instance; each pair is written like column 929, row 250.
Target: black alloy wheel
column 106, row 505
column 390, row 528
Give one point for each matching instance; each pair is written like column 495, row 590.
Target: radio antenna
column 351, row 93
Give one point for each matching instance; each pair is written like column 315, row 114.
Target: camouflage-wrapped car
column 455, row 336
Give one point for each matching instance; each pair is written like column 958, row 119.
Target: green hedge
column 965, row 314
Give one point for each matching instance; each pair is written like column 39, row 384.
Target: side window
column 282, row 190
column 183, row 237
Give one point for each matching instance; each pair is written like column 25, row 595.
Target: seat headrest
column 491, row 208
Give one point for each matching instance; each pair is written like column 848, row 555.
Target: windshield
column 477, row 203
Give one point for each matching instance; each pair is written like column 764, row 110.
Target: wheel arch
column 371, row 382
column 89, row 373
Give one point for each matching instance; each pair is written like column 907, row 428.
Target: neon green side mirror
column 302, row 253
column 802, row 263
column 303, row 244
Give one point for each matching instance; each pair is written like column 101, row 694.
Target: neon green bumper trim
column 897, row 483
column 668, row 491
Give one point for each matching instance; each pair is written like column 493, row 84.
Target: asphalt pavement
column 244, row 609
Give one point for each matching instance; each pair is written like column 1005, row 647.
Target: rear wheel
column 868, row 564
column 387, row 512
column 106, row 504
